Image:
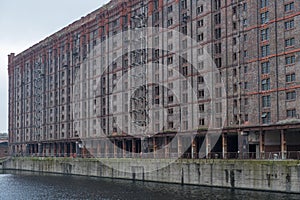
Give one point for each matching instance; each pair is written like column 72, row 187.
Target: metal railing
column 291, row 155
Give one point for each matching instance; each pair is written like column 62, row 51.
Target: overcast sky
column 26, row 22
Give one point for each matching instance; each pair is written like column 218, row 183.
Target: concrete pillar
column 115, row 149
column 133, row 147
column 154, row 147
column 194, row 147
column 65, row 149
column 40, row 149
column 224, row 145
column 71, row 149
column 179, row 146
column 124, row 148
column 98, row 149
column 167, row 150
column 207, row 146
column 55, row 149
column 59, row 149
column 262, row 144
column 106, row 148
column 283, row 144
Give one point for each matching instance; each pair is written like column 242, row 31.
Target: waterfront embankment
column 267, row 175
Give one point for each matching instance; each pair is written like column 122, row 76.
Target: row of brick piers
column 225, row 145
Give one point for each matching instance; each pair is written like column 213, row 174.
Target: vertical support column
column 55, row 149
column 179, row 146
column 115, row 149
column 99, row 149
column 133, row 147
column 224, row 145
column 283, row 144
column 106, row 148
column 167, row 150
column 71, row 149
column 207, row 146
column 59, row 149
column 124, row 148
column 154, row 147
column 40, row 149
column 194, row 147
column 262, row 144
column 65, row 149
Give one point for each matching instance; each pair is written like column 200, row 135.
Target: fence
column 294, row 155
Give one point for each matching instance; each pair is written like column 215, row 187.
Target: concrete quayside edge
column 267, row 175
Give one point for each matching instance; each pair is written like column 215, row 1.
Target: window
column 218, row 122
column 184, row 30
column 170, row 99
column 184, row 4
column 200, row 23
column 289, row 7
column 291, row 113
column 199, row 10
column 265, row 50
column 200, row 80
column 265, row 68
column 184, row 44
column 234, row 25
column 218, row 108
column 218, row 48
column 234, row 41
column 246, row 85
column 245, row 22
column 169, row 22
column 245, row 69
column 265, row 84
column 289, row 42
column 200, row 51
column 266, row 117
column 290, row 77
column 245, row 37
column 246, row 118
column 265, row 34
column 266, row 101
column 170, row 125
column 201, row 122
column 218, row 92
column 218, row 62
column 201, row 108
column 170, row 9
column 156, row 4
column 264, row 3
column 245, row 6
column 170, row 111
column 200, row 37
column 246, row 101
column 291, row 95
column 218, row 33
column 234, row 10
column 170, row 60
column 218, row 18
column 200, row 94
column 289, row 24
column 217, row 4
column 290, row 60
column 200, row 65
column 264, row 17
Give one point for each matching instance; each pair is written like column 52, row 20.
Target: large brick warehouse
column 83, row 92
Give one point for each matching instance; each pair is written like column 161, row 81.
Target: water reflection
column 28, row 185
